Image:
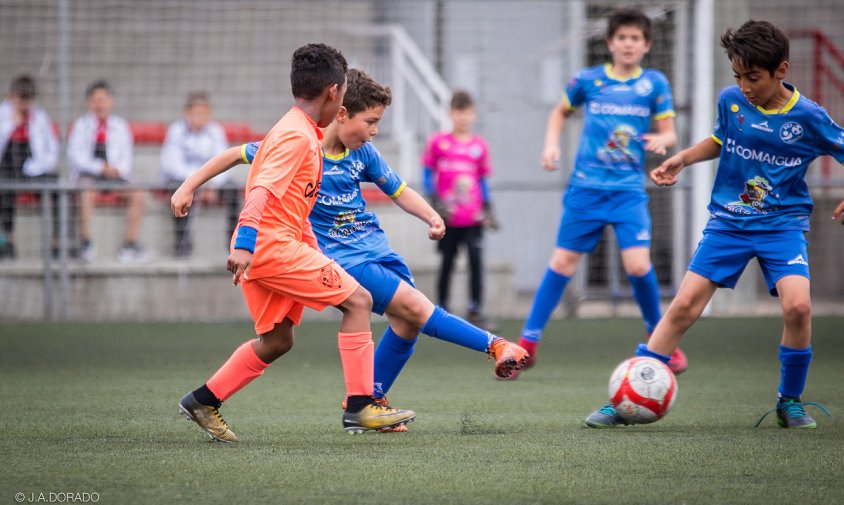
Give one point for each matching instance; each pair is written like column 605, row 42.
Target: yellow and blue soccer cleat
column 208, row 418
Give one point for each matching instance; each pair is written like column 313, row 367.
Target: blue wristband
column 246, row 238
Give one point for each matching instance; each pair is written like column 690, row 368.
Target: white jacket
column 43, row 143
column 185, row 151
column 82, row 141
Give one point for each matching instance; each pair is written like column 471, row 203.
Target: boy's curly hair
column 314, row 68
column 363, row 92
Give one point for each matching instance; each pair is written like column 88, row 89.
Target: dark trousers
column 230, row 199
column 472, row 238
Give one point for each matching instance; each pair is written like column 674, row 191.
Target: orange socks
column 243, row 367
column 357, row 354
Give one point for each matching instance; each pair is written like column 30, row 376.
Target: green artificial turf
column 93, row 408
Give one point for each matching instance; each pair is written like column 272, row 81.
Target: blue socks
column 451, row 328
column 646, row 293
column 547, row 297
column 795, row 369
column 644, row 352
column 392, row 351
column 390, row 357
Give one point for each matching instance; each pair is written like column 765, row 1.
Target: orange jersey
column 289, row 166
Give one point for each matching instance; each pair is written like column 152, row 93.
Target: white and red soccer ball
column 642, row 390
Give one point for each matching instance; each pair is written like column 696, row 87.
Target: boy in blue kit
column 607, row 185
column 352, row 236
column 766, row 136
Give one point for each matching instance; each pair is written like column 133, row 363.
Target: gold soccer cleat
column 377, row 417
column 208, row 418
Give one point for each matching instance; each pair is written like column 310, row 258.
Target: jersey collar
column 611, row 75
column 336, row 157
column 788, row 106
column 307, row 118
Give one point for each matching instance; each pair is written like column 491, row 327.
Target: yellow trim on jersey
column 399, row 191
column 243, row 153
column 567, row 101
column 608, row 70
column 787, row 107
column 336, row 157
column 717, row 140
column 663, row 115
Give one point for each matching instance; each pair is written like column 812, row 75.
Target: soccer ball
column 642, row 390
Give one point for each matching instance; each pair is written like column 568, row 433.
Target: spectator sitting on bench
column 28, row 149
column 99, row 149
column 191, row 142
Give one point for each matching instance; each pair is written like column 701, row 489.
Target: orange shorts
column 307, row 278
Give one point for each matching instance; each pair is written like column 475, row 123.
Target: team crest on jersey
column 356, row 168
column 791, row 132
column 617, row 149
column 475, row 152
column 330, row 278
column 643, row 87
column 752, row 199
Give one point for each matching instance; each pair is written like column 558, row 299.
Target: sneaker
column 87, row 252
column 678, row 362
column 508, row 357
column 605, row 417
column 376, row 417
column 134, row 253
column 791, row 413
column 208, row 418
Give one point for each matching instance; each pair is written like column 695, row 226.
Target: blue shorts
column 722, row 255
column 587, row 211
column 381, row 277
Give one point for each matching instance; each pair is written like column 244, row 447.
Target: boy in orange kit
column 276, row 260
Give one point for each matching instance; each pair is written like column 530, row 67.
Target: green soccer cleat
column 791, row 413
column 375, row 416
column 208, row 418
column 605, row 417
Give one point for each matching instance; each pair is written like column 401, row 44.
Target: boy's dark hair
column 363, row 92
column 756, row 44
column 197, row 98
column 98, row 84
column 461, row 100
column 628, row 16
column 316, row 67
column 23, row 86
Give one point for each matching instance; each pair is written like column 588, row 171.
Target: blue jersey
column 611, row 154
column 346, row 232
column 764, row 157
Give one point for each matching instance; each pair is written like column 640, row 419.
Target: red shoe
column 530, row 347
column 678, row 362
